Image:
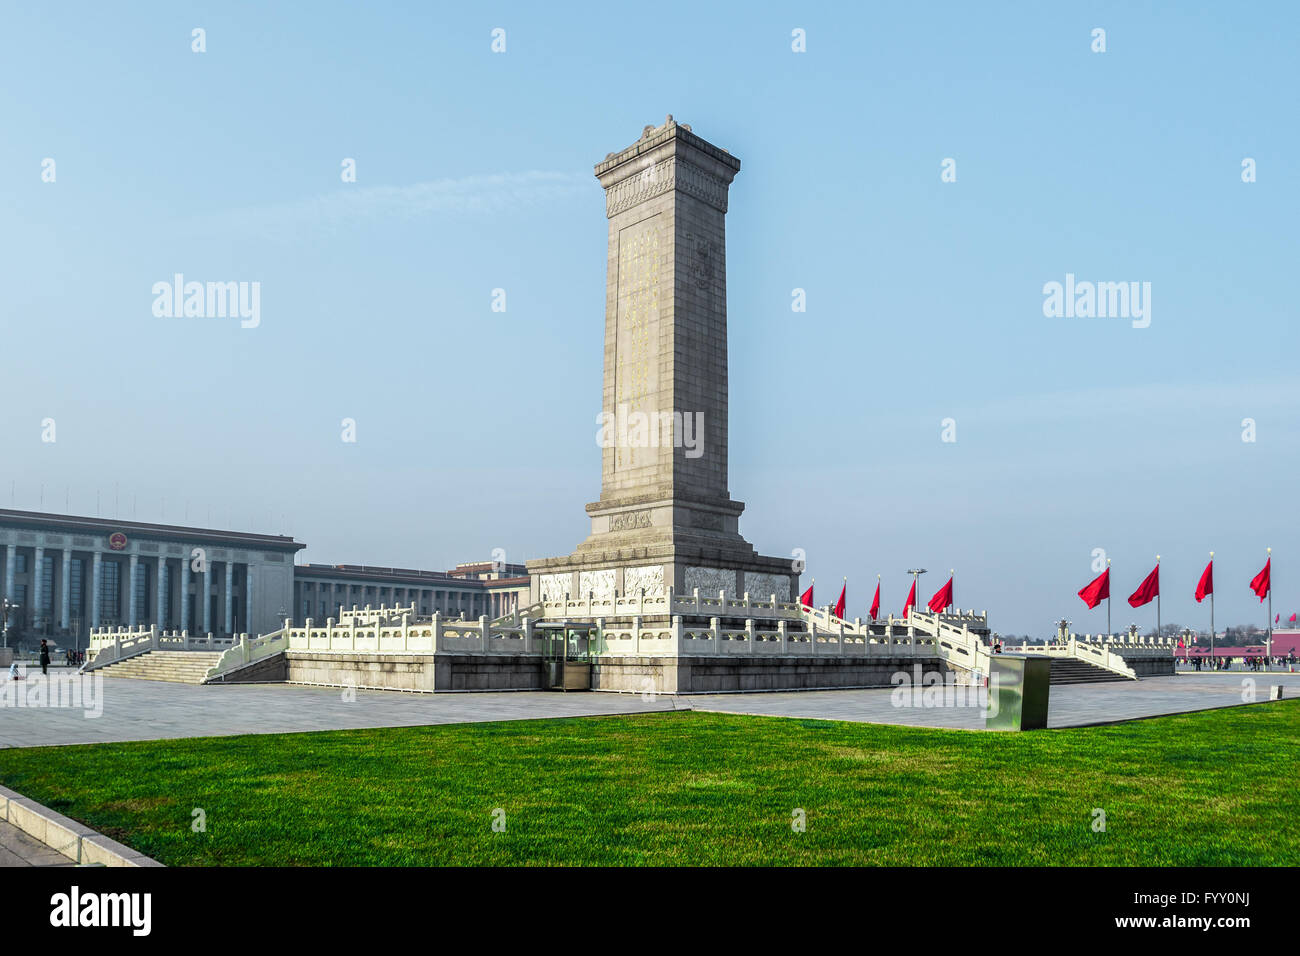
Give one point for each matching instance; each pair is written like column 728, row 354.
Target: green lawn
column 1213, row 788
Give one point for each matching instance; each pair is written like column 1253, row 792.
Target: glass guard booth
column 570, row 650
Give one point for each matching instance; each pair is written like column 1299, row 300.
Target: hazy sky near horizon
column 476, row 429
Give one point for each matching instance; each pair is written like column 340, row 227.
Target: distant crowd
column 1255, row 662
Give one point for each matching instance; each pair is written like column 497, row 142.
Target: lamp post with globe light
column 6, row 608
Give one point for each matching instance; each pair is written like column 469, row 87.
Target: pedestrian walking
column 45, row 657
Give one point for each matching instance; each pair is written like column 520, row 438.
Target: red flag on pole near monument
column 1262, row 583
column 875, row 603
column 1098, row 590
column 942, row 598
column 1147, row 590
column 806, row 598
column 911, row 600
column 839, row 605
column 1206, row 584
column 1292, row 619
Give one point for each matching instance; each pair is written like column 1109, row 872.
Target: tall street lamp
column 916, row 583
column 6, row 606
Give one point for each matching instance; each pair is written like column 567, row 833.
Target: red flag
column 875, row 604
column 806, row 598
column 1098, row 590
column 1206, row 584
column 942, row 598
column 839, row 605
column 1277, row 617
column 1147, row 590
column 1263, row 582
column 911, row 599
column 1291, row 621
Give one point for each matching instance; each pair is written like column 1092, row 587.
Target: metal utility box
column 1018, row 690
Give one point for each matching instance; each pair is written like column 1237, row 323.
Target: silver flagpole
column 1268, row 650
column 1157, row 598
column 1211, row 605
column 1108, row 599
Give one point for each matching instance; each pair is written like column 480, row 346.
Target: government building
column 68, row 574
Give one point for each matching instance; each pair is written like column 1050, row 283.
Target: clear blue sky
column 476, row 429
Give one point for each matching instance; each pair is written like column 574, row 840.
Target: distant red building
column 1284, row 643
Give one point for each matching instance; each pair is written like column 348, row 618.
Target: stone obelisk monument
column 665, row 515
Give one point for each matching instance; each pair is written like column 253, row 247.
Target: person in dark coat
column 45, row 657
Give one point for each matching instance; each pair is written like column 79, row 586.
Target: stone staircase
column 1070, row 670
column 182, row 667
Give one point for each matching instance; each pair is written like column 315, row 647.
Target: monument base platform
column 1147, row 666
column 715, row 675
column 427, row 673
column 702, row 674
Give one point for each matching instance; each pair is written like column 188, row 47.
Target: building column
column 185, row 593
column 96, row 585
column 161, row 584
column 36, row 593
column 132, row 611
column 229, row 623
column 65, row 589
column 205, row 577
column 248, row 599
column 11, row 558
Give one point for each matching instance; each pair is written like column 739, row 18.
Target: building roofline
column 373, row 573
column 43, row 521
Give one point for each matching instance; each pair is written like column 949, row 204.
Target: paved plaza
column 1070, row 705
column 152, row 710
column 19, row 849
column 156, row 710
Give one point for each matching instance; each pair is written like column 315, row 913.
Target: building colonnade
column 66, row 589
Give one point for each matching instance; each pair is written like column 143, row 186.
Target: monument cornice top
column 654, row 137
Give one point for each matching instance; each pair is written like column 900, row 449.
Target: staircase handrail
column 248, row 651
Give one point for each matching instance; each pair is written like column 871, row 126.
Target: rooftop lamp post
column 916, row 585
